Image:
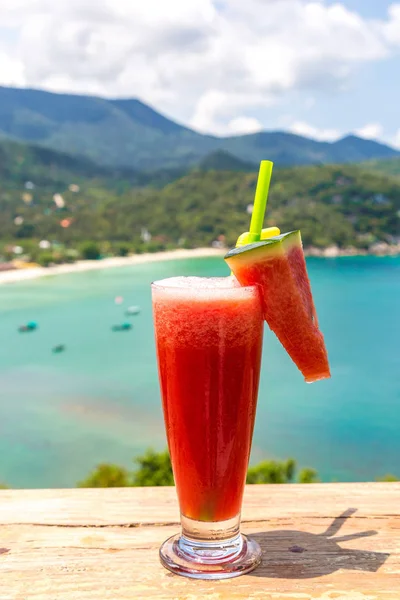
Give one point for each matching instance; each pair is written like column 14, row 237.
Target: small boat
column 122, row 327
column 59, row 348
column 132, row 310
column 31, row 326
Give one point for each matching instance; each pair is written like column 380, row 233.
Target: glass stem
column 210, row 541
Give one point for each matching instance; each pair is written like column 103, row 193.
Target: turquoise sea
column 61, row 414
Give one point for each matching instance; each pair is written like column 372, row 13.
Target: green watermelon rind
column 243, row 259
column 271, row 246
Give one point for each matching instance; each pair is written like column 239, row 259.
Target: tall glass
column 209, row 338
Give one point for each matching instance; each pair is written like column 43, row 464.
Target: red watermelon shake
column 209, row 338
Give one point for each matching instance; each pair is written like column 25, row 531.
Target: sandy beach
column 17, row 275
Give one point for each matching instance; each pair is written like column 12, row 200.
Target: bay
column 61, row 414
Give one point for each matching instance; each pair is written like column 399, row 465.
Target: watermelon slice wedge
column 278, row 267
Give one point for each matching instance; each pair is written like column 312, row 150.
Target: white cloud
column 396, row 140
column 307, row 130
column 209, row 65
column 216, row 112
column 370, row 131
column 391, row 28
column 12, row 71
column 241, row 125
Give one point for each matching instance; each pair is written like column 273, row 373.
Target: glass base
column 210, row 559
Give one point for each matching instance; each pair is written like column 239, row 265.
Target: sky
column 318, row 68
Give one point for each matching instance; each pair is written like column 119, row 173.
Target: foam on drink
column 194, row 310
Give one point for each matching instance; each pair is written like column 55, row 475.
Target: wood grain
column 320, row 541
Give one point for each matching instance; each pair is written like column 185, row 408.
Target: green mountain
column 390, row 166
column 343, row 205
column 111, row 132
column 22, row 162
column 48, row 168
column 290, row 149
column 130, row 134
column 220, row 160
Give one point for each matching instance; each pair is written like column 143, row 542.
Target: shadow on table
column 300, row 555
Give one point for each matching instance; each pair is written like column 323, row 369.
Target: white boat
column 132, row 310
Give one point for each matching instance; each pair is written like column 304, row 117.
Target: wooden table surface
column 321, row 541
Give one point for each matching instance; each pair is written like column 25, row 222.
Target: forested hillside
column 341, row 205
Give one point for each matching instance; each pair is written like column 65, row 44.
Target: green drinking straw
column 260, row 201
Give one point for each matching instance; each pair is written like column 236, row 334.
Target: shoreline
column 377, row 249
column 28, row 274
column 31, row 273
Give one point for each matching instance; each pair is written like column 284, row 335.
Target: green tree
column 271, row 471
column 388, row 477
column 123, row 250
column 45, row 259
column 27, row 230
column 3, row 486
column 154, row 468
column 70, row 255
column 90, row 251
column 105, row 475
column 308, row 475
